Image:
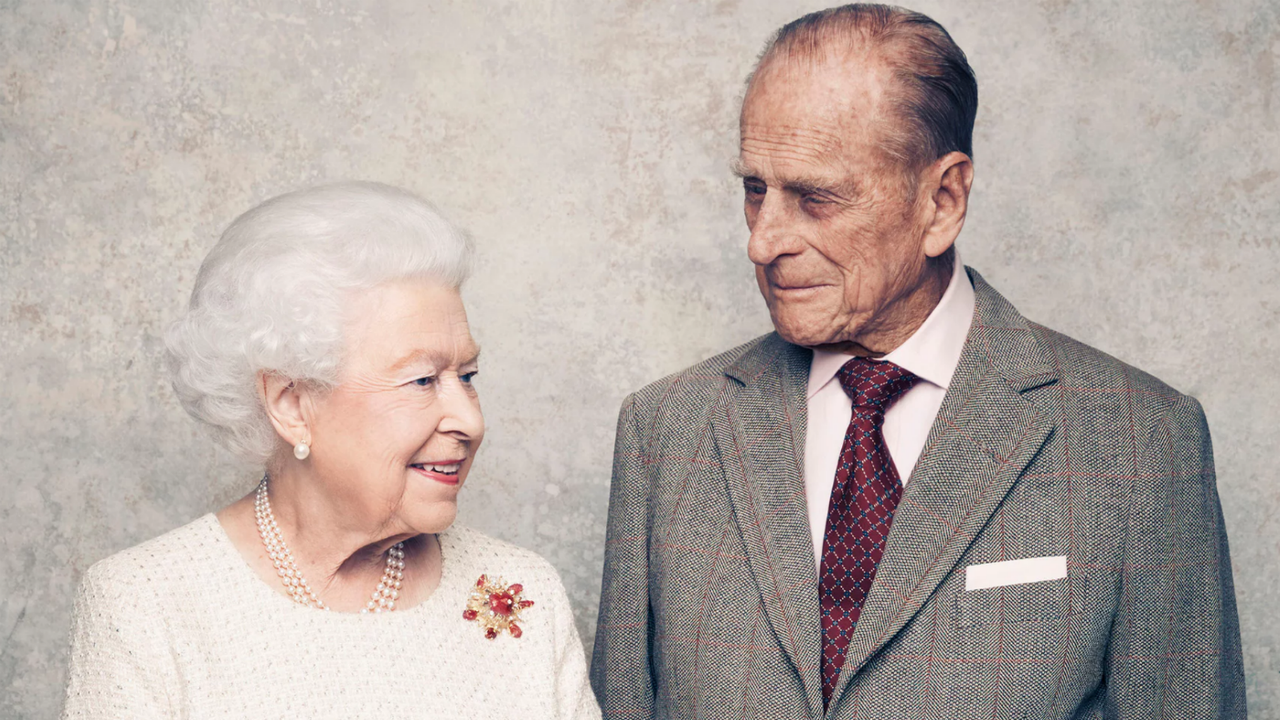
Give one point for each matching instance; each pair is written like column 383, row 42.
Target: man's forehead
column 812, row 114
column 824, row 101
column 813, row 147
column 835, row 61
column 791, row 154
column 818, row 133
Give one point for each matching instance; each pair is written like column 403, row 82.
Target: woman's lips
column 447, row 478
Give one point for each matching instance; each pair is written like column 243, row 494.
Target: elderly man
column 909, row 501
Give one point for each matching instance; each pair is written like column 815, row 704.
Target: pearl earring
column 301, row 451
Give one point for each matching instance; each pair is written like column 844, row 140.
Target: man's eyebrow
column 471, row 357
column 740, row 169
column 800, row 185
column 807, row 186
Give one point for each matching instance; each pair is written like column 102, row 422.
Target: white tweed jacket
column 181, row 627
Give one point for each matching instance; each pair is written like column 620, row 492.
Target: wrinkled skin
column 847, row 252
column 391, row 446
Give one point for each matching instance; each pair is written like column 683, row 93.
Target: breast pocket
column 1047, row 600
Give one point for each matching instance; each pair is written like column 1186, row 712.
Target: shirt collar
column 932, row 353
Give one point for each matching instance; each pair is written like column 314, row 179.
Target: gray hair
column 937, row 93
column 271, row 294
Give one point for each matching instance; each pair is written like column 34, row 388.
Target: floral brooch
column 496, row 607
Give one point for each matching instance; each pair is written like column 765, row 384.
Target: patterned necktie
column 865, row 494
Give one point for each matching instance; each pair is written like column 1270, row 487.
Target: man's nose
column 772, row 233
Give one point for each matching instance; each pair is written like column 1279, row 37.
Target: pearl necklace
column 384, row 598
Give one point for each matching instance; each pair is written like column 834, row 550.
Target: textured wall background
column 1128, row 161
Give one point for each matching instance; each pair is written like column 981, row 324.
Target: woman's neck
column 326, row 534
column 341, row 560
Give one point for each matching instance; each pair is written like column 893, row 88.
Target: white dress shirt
column 931, row 353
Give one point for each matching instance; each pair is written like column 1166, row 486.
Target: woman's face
column 394, row 440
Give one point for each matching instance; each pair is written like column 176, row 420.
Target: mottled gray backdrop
column 1126, row 194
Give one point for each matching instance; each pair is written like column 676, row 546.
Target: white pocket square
column 1015, row 572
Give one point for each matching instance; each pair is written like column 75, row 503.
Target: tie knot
column 874, row 384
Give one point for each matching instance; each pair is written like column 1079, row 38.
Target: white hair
column 271, row 295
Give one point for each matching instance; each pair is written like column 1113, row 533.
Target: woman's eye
column 466, row 377
column 425, row 381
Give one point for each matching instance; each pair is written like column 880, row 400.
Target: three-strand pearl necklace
column 384, row 598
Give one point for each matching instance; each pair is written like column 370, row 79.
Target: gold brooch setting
column 496, row 606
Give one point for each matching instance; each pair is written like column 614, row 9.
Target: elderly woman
column 326, row 340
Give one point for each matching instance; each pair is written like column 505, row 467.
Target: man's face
column 835, row 239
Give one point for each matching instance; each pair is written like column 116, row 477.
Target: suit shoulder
column 1096, row 377
column 1078, row 361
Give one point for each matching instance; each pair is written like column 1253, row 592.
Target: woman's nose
column 461, row 409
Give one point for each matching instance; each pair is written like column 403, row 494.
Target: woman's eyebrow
column 413, row 358
column 434, row 358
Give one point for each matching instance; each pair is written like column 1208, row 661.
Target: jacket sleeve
column 574, row 700
column 1175, row 642
column 621, row 665
column 119, row 664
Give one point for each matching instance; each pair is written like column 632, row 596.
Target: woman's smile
column 442, row 472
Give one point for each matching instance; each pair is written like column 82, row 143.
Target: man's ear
column 284, row 401
column 949, row 180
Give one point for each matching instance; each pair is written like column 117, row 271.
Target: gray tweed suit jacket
column 1042, row 447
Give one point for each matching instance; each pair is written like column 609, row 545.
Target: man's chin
column 798, row 333
column 799, row 318
column 813, row 333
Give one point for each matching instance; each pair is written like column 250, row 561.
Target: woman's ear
column 284, row 401
column 952, row 178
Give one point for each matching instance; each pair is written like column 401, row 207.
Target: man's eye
column 753, row 188
column 425, row 381
column 815, row 200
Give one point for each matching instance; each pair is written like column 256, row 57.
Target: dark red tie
column 865, row 494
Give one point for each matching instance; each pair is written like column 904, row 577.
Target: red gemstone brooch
column 496, row 606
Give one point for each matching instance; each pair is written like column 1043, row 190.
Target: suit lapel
column 985, row 435
column 760, row 436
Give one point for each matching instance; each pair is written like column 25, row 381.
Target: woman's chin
column 429, row 503
column 429, row 516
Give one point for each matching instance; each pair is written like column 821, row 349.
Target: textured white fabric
column 931, row 353
column 182, row 627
